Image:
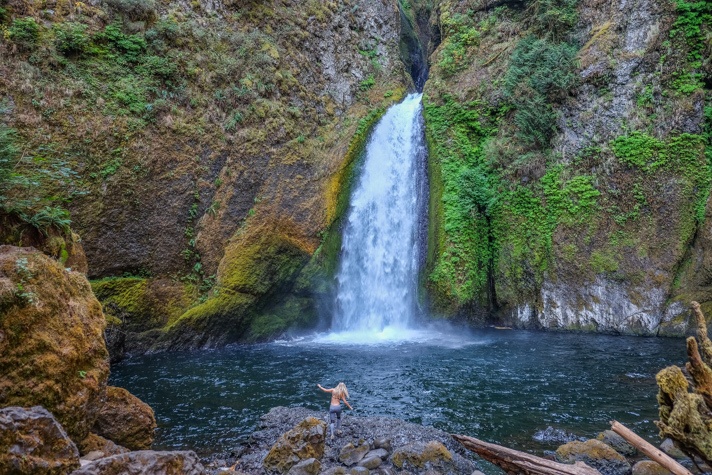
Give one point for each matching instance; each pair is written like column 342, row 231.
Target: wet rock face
column 596, row 454
column 32, row 441
column 52, row 350
column 145, row 462
column 126, row 420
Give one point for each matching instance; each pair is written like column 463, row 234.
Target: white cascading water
column 381, row 248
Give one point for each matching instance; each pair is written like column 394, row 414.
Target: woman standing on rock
column 338, row 394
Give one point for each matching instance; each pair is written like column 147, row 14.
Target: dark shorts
column 334, row 413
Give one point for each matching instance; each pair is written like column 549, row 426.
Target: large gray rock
column 352, row 454
column 595, row 453
column 371, row 462
column 145, row 462
column 33, row 442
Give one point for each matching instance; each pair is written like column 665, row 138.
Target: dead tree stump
column 686, row 412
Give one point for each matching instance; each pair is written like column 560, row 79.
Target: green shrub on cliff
column 71, row 38
column 24, row 32
column 540, row 74
column 23, row 188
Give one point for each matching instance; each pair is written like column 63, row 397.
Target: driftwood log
column 686, row 416
column 516, row 462
column 651, row 451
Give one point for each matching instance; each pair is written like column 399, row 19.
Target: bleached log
column 648, row 449
column 516, row 462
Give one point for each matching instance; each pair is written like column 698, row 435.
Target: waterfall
column 377, row 280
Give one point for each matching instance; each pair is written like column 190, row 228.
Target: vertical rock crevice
column 419, row 36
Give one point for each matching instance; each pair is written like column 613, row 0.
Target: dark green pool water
column 500, row 386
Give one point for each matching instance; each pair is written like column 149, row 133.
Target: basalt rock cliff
column 205, row 151
column 570, row 162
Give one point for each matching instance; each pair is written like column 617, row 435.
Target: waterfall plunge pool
column 500, row 386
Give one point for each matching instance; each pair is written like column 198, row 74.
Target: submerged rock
column 126, row 420
column 33, row 442
column 145, row 462
column 595, row 453
column 52, row 350
column 553, row 435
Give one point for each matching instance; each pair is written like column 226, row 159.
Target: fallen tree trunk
column 651, row 451
column 514, row 461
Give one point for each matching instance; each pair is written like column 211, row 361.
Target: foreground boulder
column 422, row 457
column 304, row 441
column 145, row 462
column 52, row 351
column 33, row 442
column 126, row 420
column 596, row 454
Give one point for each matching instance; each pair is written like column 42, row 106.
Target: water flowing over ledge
column 377, row 280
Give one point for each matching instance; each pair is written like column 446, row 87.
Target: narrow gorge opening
column 419, row 36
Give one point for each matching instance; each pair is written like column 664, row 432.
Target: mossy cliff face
column 570, row 163
column 208, row 142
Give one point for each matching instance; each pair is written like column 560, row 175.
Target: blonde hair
column 341, row 392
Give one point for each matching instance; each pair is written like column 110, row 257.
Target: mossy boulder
column 52, row 350
column 304, row 441
column 33, row 442
column 126, row 420
column 421, row 457
column 596, row 454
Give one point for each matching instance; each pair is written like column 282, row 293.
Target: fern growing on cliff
column 540, row 73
